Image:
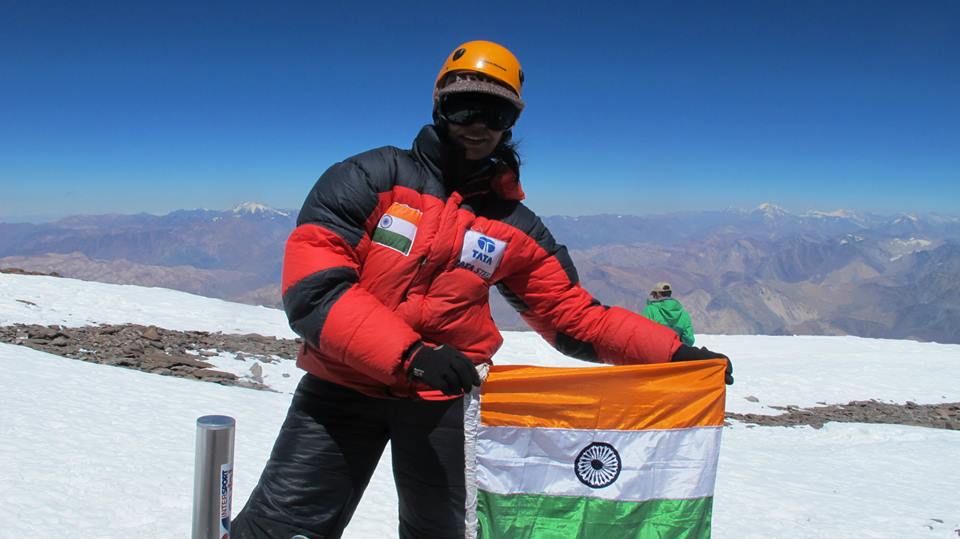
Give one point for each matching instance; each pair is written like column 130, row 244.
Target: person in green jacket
column 664, row 309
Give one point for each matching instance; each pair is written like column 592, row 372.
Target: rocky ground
column 940, row 416
column 18, row 271
column 155, row 350
column 182, row 353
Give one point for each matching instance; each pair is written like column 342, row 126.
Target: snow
column 256, row 208
column 904, row 247
column 771, row 210
column 839, row 213
column 907, row 217
column 36, row 299
column 914, row 243
column 97, row 451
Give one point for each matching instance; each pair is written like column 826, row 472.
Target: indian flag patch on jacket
column 398, row 227
column 594, row 452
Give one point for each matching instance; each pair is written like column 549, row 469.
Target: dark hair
column 507, row 152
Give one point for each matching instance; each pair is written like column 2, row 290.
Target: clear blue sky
column 633, row 107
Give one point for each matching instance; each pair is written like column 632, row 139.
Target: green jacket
column 670, row 313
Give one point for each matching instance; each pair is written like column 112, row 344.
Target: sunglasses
column 466, row 108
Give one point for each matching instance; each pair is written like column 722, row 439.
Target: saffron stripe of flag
column 594, row 452
column 402, row 211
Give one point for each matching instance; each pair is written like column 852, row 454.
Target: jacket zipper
column 420, row 265
column 454, row 200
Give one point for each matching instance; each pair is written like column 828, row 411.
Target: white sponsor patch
column 481, row 254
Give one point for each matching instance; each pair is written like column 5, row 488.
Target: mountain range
column 760, row 271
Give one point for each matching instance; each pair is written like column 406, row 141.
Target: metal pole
column 213, row 477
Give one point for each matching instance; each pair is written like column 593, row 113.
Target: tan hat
column 468, row 81
column 661, row 287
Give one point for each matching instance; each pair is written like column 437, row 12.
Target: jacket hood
column 671, row 308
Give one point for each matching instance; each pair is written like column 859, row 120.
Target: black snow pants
column 328, row 449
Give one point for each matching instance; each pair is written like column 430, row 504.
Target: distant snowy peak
column 899, row 248
column 771, row 212
column 838, row 214
column 906, row 218
column 253, row 208
column 771, row 209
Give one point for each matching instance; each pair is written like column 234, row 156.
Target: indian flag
column 398, row 227
column 593, row 453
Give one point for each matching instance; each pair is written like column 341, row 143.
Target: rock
column 212, row 374
column 256, row 337
column 133, row 349
column 151, row 334
column 45, row 333
column 751, row 398
column 256, row 371
column 19, row 271
column 154, row 360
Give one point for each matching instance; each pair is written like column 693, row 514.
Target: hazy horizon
column 38, row 219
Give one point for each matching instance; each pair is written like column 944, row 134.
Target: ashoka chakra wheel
column 598, row 465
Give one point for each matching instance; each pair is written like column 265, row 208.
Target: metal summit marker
column 213, row 477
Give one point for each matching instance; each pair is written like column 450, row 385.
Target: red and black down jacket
column 384, row 256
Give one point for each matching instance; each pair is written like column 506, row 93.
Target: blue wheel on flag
column 598, row 465
column 386, row 221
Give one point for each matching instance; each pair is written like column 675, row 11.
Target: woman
column 386, row 278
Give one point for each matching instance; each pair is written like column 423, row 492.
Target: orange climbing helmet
column 481, row 66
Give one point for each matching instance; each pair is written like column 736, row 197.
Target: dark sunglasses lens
column 464, row 109
column 461, row 116
column 503, row 118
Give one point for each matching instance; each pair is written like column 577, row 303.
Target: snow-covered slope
column 96, row 451
column 37, row 299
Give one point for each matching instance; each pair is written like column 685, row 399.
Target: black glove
column 690, row 353
column 443, row 368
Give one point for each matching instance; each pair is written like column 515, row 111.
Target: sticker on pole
column 226, row 494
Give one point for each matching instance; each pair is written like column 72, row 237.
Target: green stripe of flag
column 529, row 516
column 392, row 239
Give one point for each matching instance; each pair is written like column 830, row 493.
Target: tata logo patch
column 481, row 254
